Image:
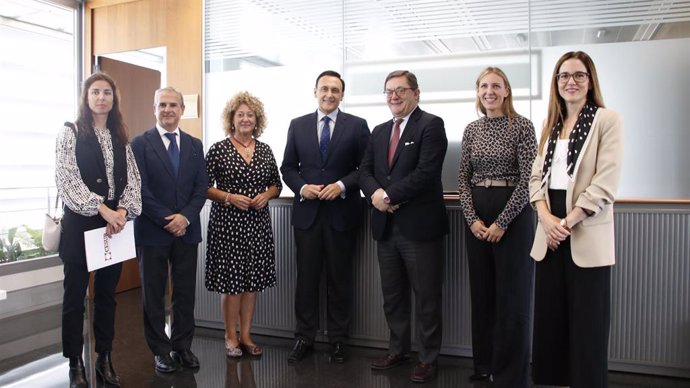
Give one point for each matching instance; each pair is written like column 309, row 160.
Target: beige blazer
column 593, row 188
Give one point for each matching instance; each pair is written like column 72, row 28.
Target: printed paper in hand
column 102, row 251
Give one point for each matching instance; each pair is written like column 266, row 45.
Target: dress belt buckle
column 487, row 183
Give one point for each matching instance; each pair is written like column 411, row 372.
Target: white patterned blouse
column 72, row 189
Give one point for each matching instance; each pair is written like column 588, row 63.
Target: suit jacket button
column 99, row 180
column 388, row 177
column 323, row 169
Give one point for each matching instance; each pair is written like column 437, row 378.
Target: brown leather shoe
column 388, row 361
column 423, row 372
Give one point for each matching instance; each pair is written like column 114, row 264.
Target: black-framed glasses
column 398, row 91
column 578, row 76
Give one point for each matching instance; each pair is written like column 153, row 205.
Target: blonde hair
column 253, row 103
column 507, row 107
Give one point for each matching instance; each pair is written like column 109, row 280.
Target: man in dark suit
column 400, row 175
column 173, row 190
column 322, row 154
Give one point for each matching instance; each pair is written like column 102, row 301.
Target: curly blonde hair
column 253, row 103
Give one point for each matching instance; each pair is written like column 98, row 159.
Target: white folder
column 102, row 251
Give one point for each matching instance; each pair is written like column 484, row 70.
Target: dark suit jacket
column 302, row 165
column 163, row 194
column 413, row 181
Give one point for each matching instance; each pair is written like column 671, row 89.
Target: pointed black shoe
column 104, row 370
column 339, row 353
column 77, row 373
column 299, row 351
column 185, row 358
column 165, row 364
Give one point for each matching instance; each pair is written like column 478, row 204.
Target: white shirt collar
column 333, row 115
column 162, row 131
column 405, row 119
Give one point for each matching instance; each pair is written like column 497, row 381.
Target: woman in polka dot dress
column 240, row 253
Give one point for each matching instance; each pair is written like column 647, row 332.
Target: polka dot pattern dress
column 240, row 253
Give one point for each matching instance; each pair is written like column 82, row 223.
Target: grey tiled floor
column 134, row 362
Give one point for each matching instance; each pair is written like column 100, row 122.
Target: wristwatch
column 564, row 223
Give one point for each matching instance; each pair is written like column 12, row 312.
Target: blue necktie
column 325, row 138
column 173, row 152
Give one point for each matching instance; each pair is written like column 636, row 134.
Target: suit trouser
column 501, row 278
column 154, row 262
column 318, row 247
column 75, row 284
column 407, row 266
column 571, row 317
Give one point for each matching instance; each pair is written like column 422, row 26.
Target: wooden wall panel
column 129, row 26
column 124, row 25
column 185, row 62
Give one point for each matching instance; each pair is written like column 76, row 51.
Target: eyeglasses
column 578, row 76
column 398, row 91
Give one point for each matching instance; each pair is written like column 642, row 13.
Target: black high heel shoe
column 77, row 373
column 104, row 369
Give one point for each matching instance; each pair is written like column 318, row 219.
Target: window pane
column 38, row 94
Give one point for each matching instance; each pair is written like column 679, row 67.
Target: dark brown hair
column 557, row 109
column 115, row 123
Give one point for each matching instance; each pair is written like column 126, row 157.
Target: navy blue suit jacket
column 414, row 179
column 163, row 194
column 302, row 165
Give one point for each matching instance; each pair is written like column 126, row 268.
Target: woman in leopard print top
column 495, row 165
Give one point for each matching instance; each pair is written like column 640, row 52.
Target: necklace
column 247, row 151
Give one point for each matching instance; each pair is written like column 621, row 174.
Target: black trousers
column 501, row 279
column 417, row 266
column 75, row 284
column 322, row 247
column 154, row 263
column 571, row 317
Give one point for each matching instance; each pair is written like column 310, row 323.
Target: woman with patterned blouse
column 240, row 258
column 495, row 164
column 98, row 181
column 572, row 186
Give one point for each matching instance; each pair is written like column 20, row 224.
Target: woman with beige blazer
column 572, row 187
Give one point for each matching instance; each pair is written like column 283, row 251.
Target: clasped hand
column 323, row 192
column 116, row 219
column 378, row 202
column 243, row 202
column 492, row 234
column 555, row 232
column 177, row 225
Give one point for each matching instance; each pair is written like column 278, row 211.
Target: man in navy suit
column 322, row 154
column 173, row 190
column 401, row 177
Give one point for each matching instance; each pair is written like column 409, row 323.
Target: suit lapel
column 97, row 154
column 407, row 135
column 312, row 135
column 186, row 151
column 385, row 142
column 156, row 142
column 338, row 129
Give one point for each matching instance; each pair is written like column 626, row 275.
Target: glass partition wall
column 276, row 48
column 38, row 92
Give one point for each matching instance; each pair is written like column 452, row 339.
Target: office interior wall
column 114, row 26
column 276, row 52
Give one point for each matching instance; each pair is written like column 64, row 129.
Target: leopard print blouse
column 493, row 149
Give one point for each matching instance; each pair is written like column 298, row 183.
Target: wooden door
column 137, row 86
